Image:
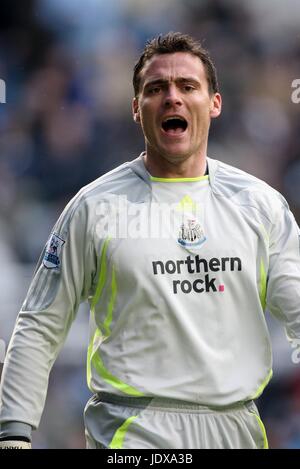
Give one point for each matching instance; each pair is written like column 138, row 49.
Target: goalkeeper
column 179, row 256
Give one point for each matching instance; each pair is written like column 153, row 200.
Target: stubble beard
column 161, row 155
column 175, row 159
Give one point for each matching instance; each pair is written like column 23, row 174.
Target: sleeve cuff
column 8, row 429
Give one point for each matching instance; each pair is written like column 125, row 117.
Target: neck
column 163, row 168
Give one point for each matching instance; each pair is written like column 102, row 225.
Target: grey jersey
column 178, row 274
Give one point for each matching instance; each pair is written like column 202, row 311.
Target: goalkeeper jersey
column 178, row 274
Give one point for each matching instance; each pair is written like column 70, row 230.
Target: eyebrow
column 164, row 81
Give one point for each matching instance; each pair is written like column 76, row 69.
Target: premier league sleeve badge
column 53, row 251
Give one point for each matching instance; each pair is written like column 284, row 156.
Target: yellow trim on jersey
column 111, row 379
column 199, row 178
column 101, row 283
column 95, row 360
column 263, row 430
column 262, row 386
column 89, row 363
column 263, row 285
column 102, row 277
column 93, row 356
column 111, row 304
column 187, row 204
column 265, row 234
column 118, row 438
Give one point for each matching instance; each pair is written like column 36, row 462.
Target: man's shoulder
column 125, row 180
column 112, row 181
column 244, row 189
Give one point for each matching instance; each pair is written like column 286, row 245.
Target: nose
column 172, row 97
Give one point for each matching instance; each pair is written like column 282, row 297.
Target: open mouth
column 174, row 125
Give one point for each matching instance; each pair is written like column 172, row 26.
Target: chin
column 175, row 157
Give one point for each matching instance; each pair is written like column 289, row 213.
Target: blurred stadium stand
column 68, row 65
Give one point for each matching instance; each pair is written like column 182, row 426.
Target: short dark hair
column 175, row 42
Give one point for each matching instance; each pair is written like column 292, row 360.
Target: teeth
column 174, row 117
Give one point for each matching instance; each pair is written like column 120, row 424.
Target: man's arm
column 15, row 435
column 283, row 291
column 61, row 281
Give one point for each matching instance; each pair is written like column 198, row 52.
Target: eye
column 188, row 88
column 154, row 90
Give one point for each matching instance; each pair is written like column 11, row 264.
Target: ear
column 216, row 105
column 136, row 110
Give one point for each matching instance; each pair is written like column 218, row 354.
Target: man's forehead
column 178, row 64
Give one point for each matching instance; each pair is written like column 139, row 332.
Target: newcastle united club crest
column 190, row 233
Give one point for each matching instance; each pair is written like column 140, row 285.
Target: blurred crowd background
column 67, row 65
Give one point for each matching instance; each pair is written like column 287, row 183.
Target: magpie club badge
column 190, row 233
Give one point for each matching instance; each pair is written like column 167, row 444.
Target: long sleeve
column 62, row 280
column 283, row 291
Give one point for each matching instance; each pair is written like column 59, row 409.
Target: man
column 179, row 256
